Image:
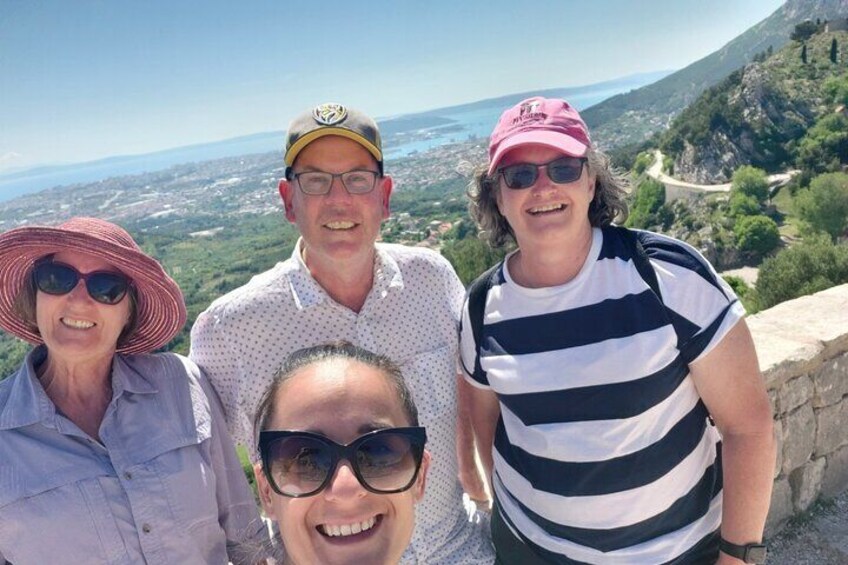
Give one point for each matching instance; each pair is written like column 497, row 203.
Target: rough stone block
column 806, row 484
column 836, row 473
column 817, row 318
column 832, row 431
column 774, row 399
column 833, row 302
column 796, row 392
column 781, row 358
column 831, row 381
column 778, row 442
column 781, row 507
column 799, row 435
column 793, row 337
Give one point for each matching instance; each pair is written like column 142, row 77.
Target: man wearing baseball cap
column 339, row 284
column 614, row 387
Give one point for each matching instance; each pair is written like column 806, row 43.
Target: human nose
column 543, row 179
column 79, row 291
column 344, row 484
column 337, row 188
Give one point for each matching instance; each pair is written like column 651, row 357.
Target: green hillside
column 759, row 115
column 634, row 116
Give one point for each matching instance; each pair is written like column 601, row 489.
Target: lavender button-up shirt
column 163, row 484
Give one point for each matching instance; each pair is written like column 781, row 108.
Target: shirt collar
column 125, row 378
column 307, row 292
column 25, row 402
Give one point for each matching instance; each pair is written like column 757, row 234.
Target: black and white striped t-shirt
column 604, row 452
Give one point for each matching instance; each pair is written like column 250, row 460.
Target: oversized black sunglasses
column 299, row 464
column 561, row 171
column 106, row 287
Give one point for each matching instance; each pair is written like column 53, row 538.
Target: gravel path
column 818, row 538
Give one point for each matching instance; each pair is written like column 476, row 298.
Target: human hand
column 475, row 488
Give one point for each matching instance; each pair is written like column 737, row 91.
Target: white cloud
column 10, row 157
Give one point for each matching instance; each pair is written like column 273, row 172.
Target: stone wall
column 803, row 351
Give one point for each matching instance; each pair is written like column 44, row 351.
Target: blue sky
column 87, row 79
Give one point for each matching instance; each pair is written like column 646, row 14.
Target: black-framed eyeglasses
column 562, row 170
column 357, row 181
column 106, row 287
column 299, row 464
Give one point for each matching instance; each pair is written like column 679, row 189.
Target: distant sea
column 403, row 135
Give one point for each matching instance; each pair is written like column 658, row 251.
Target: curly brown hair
column 611, row 186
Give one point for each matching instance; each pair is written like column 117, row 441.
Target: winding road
column 676, row 189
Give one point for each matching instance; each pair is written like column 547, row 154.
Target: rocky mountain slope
column 635, row 116
column 758, row 114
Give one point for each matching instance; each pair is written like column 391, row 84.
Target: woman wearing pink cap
column 109, row 454
column 614, row 386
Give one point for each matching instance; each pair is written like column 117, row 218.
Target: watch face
column 755, row 554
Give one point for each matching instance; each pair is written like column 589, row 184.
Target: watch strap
column 749, row 553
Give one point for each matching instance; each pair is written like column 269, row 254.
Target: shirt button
column 128, row 476
column 146, row 528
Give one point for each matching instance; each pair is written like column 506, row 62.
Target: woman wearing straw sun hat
column 109, row 454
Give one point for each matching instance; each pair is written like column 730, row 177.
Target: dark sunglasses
column 561, row 171
column 105, row 287
column 299, row 464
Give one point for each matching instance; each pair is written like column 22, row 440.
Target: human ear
column 287, row 194
column 386, row 185
column 265, row 492
column 421, row 480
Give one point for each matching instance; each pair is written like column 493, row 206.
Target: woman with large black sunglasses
column 342, row 457
column 109, row 454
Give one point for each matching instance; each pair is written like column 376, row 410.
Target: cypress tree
column 804, row 54
column 833, row 50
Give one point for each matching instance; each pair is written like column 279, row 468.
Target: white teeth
column 80, row 324
column 547, row 208
column 340, row 225
column 348, row 529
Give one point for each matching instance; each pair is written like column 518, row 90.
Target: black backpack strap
column 640, row 259
column 476, row 309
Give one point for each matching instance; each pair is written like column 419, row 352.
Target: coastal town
column 200, row 199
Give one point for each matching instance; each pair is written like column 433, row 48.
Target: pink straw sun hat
column 160, row 309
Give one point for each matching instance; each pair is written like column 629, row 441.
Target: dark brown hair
column 328, row 352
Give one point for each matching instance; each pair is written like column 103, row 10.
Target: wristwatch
column 749, row 553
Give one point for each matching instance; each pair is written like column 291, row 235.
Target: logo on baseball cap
column 332, row 119
column 539, row 121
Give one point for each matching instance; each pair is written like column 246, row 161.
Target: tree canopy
column 824, row 205
column 756, row 236
column 750, row 181
column 803, row 269
column 804, row 31
column 650, row 196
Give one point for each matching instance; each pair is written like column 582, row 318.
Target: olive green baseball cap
column 332, row 119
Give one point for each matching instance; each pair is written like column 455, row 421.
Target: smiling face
column 337, row 226
column 345, row 523
column 546, row 214
column 75, row 327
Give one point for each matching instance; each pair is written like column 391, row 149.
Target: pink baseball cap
column 539, row 121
